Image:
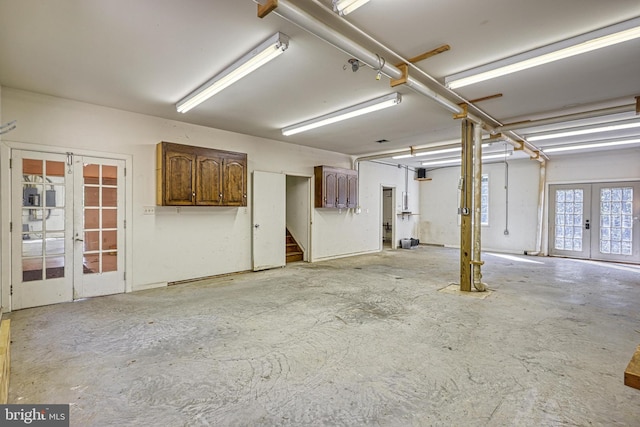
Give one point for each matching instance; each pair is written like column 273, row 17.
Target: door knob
column 587, row 225
column 257, row 226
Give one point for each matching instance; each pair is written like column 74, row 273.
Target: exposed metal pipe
column 506, row 194
column 567, row 117
column 314, row 26
column 475, row 110
column 542, row 189
column 309, row 23
column 477, row 211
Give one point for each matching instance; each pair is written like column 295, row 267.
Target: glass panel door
column 618, row 228
column 42, row 230
column 68, row 228
column 595, row 221
column 99, row 227
column 569, row 220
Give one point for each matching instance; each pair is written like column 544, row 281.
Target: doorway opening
column 388, row 218
column 298, row 217
column 281, row 212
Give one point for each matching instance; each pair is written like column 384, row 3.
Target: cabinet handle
column 193, row 196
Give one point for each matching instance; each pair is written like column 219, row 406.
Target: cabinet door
column 208, row 181
column 235, row 181
column 179, row 189
column 342, row 190
column 352, row 189
column 329, row 188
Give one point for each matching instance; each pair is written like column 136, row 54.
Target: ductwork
column 314, row 26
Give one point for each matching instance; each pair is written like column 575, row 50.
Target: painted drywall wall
column 439, row 199
column 375, row 177
column 190, row 242
column 601, row 166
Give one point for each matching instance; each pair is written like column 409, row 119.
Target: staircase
column 294, row 252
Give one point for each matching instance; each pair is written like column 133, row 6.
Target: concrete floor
column 366, row 340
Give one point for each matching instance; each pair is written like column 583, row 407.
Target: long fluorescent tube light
column 586, row 131
column 444, row 162
column 346, row 113
column 592, row 145
column 587, row 42
column 345, row 7
column 260, row 55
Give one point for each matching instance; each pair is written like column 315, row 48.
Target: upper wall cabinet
column 335, row 187
column 197, row 176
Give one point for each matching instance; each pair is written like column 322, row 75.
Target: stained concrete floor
column 366, row 340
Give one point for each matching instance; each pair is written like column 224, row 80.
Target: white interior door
column 42, row 230
column 67, row 228
column 596, row 221
column 269, row 220
column 98, row 227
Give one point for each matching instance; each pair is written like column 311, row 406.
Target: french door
column 595, row 221
column 67, row 228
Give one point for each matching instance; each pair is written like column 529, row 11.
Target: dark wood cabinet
column 197, row 176
column 335, row 187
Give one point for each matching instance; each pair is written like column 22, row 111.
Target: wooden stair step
column 293, row 250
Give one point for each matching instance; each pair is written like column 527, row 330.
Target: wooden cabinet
column 197, row 176
column 335, row 187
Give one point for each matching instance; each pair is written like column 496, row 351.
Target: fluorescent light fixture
column 260, row 55
column 588, row 42
column 345, row 7
column 591, row 145
column 584, row 131
column 346, row 113
column 444, row 162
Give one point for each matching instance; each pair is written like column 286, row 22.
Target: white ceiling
column 145, row 55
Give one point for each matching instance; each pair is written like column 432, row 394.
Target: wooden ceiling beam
column 266, row 8
column 484, row 98
column 429, row 54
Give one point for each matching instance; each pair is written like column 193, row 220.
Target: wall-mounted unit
column 197, row 176
column 335, row 187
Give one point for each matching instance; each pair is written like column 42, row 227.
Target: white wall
column 179, row 244
column 601, row 166
column 439, row 199
column 375, row 176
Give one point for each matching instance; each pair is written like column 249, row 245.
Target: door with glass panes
column 595, row 221
column 67, row 228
